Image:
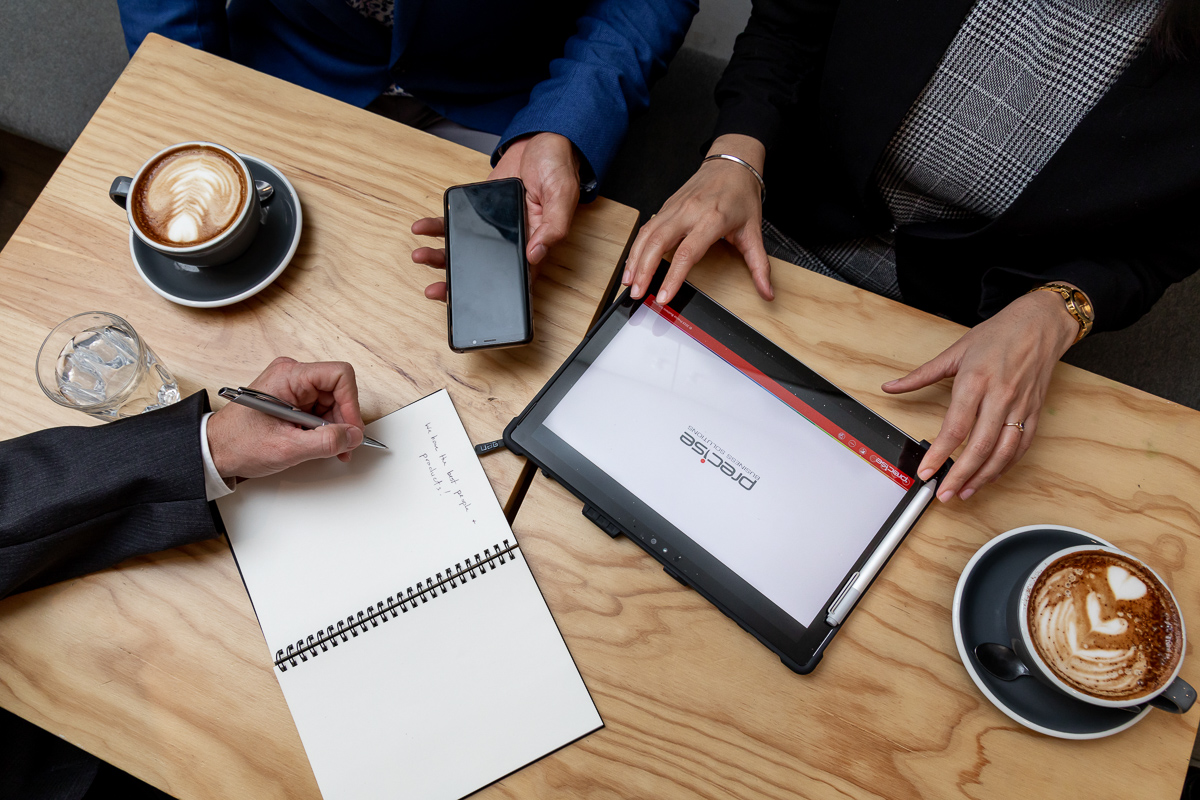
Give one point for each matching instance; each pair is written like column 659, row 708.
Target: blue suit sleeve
column 619, row 49
column 197, row 23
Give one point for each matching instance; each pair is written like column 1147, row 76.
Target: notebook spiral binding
column 394, row 606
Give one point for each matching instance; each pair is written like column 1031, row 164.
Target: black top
column 824, row 85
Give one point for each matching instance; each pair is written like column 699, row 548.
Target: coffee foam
column 1105, row 626
column 189, row 196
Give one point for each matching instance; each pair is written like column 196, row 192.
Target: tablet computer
column 747, row 475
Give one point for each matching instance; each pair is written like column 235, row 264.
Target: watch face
column 1083, row 304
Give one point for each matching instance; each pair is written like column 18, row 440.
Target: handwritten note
column 441, row 472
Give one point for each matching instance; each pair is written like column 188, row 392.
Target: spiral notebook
column 416, row 653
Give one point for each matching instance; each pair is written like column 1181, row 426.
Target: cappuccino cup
column 194, row 202
column 1100, row 626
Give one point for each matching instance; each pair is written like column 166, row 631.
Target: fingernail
column 355, row 437
column 946, row 496
column 634, row 291
column 539, row 252
column 661, row 299
column 926, row 473
column 966, row 493
column 626, row 278
column 889, row 383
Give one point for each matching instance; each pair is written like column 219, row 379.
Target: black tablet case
column 610, row 527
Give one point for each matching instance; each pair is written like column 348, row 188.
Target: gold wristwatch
column 1078, row 305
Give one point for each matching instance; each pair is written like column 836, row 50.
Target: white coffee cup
column 1170, row 693
column 222, row 248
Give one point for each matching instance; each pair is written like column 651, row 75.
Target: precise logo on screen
column 716, row 457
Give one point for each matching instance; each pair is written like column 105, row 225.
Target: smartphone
column 488, row 300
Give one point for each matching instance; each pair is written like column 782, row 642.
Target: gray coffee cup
column 220, row 249
column 1174, row 695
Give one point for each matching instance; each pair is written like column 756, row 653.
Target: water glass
column 96, row 363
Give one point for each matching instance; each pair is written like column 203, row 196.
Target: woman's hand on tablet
column 1001, row 369
column 723, row 200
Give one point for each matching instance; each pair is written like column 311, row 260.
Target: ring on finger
column 1019, row 425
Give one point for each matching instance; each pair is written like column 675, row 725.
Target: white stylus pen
column 860, row 580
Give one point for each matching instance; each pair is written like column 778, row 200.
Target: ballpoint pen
column 268, row 404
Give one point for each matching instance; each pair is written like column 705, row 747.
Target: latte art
column 189, row 196
column 1105, row 626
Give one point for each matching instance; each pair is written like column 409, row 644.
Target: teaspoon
column 1001, row 661
column 1004, row 663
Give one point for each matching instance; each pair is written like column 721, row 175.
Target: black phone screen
column 487, row 276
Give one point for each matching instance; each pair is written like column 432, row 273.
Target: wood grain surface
column 159, row 666
column 696, row 708
column 351, row 293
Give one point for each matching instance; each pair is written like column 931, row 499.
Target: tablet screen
column 779, row 492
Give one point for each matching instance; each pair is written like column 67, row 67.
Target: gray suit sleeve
column 74, row 500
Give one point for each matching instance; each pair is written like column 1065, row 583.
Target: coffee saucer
column 979, row 614
column 245, row 276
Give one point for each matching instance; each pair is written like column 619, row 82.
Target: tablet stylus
column 862, row 579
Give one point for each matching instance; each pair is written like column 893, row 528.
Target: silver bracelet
column 757, row 175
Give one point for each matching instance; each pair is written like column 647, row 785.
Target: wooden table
column 159, row 666
column 351, row 293
column 695, row 707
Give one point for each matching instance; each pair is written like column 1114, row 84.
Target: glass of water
column 96, row 363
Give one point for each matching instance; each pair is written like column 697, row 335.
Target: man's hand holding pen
column 247, row 444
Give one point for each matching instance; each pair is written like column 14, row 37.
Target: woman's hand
column 722, row 200
column 548, row 165
column 1001, row 370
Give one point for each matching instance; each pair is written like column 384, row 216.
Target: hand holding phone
column 488, row 300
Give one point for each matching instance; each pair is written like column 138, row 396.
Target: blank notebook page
column 424, row 661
